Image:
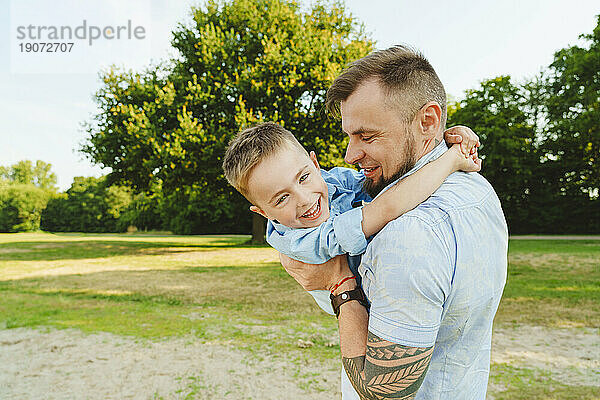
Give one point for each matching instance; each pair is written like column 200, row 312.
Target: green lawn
column 221, row 291
column 552, row 283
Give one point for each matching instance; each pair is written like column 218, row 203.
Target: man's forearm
column 377, row 368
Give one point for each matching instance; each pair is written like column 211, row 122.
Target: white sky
column 466, row 41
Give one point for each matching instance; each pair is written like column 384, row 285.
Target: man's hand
column 317, row 276
column 469, row 141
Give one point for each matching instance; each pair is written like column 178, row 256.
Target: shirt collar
column 437, row 151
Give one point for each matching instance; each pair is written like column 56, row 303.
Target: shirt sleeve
column 340, row 234
column 351, row 180
column 411, row 278
column 322, row 299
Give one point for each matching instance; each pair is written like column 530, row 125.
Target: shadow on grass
column 237, row 286
column 232, row 302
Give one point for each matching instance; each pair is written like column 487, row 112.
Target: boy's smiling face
column 288, row 187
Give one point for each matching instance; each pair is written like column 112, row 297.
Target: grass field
column 221, row 291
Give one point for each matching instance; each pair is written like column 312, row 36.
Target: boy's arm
column 414, row 189
column 347, row 232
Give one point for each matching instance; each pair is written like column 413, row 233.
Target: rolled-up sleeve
column 411, row 276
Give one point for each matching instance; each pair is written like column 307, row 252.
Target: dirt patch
column 175, row 259
column 61, row 364
column 10, row 250
column 557, row 262
column 67, row 364
column 572, row 356
column 219, row 257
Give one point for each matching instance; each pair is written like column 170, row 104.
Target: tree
column 24, row 172
column 541, row 142
column 240, row 62
column 144, row 212
column 572, row 140
column 24, row 192
column 496, row 111
column 89, row 205
column 21, row 207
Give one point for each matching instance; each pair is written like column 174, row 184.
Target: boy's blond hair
column 251, row 146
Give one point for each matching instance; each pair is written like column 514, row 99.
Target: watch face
column 344, row 296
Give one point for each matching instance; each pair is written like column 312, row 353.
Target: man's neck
column 430, row 155
column 430, row 144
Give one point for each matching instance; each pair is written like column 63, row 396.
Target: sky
column 46, row 98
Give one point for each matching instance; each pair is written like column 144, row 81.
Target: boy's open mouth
column 314, row 212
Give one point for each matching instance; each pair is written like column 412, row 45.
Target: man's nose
column 353, row 153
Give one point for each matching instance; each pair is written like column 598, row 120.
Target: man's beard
column 373, row 188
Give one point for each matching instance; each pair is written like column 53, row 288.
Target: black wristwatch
column 354, row 294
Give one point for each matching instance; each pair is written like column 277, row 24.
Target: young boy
column 311, row 214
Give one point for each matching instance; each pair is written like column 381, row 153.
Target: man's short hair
column 251, row 146
column 407, row 77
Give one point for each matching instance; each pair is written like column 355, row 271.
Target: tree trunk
column 259, row 227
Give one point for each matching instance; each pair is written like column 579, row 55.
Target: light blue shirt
column 434, row 277
column 340, row 234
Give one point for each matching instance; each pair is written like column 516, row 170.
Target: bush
column 144, row 212
column 21, row 207
column 88, row 206
column 195, row 210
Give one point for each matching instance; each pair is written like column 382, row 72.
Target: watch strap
column 344, row 297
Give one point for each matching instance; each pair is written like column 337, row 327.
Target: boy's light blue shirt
column 340, row 234
column 434, row 277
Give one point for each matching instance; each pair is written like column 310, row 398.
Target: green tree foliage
column 541, row 142
column 240, row 62
column 573, row 106
column 21, row 206
column 572, row 138
column 25, row 189
column 89, row 205
column 497, row 112
column 24, row 172
column 144, row 212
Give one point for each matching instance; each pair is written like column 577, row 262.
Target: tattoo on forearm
column 389, row 370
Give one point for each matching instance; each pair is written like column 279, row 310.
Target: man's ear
column 313, row 157
column 258, row 211
column 429, row 119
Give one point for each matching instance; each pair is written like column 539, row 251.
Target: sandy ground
column 67, row 364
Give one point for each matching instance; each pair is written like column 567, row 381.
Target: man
column 435, row 275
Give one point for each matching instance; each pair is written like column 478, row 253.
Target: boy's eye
column 304, row 177
column 281, row 199
column 367, row 138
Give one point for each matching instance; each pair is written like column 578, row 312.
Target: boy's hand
column 469, row 141
column 472, row 163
